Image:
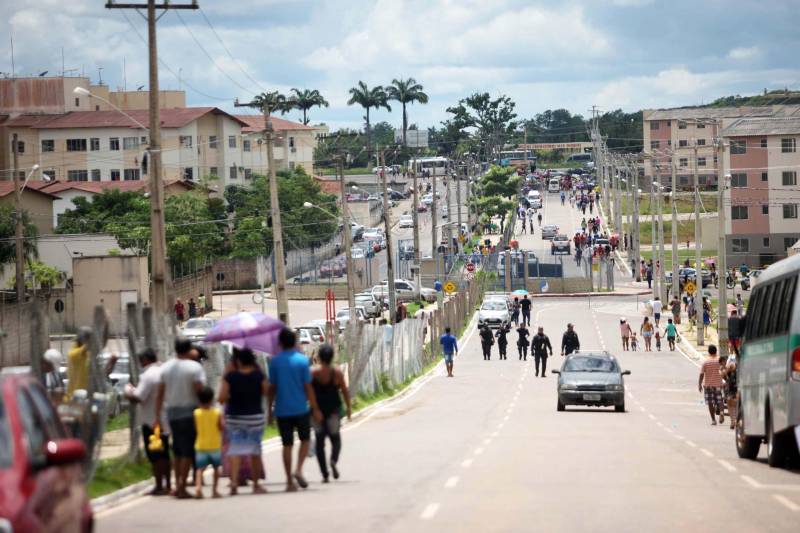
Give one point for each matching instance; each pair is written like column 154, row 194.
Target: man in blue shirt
column 450, row 348
column 291, row 393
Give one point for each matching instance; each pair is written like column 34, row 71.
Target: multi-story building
column 761, row 202
column 293, row 146
column 688, row 134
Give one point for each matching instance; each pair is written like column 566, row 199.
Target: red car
column 41, row 473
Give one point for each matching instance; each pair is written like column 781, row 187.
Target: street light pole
column 722, row 183
column 18, row 225
column 347, row 233
column 698, row 250
column 387, row 226
column 676, row 282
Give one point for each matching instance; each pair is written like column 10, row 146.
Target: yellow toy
column 155, row 443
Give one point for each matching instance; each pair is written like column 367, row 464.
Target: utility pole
column 415, row 216
column 676, row 282
column 434, row 233
column 347, row 233
column 18, row 226
column 634, row 237
column 698, row 257
column 458, row 206
column 387, row 225
column 653, row 231
column 662, row 270
column 159, row 273
column 722, row 184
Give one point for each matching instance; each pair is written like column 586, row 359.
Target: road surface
column 487, row 451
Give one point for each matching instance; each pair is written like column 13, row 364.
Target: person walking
column 291, row 399
column 330, row 388
column 192, row 308
column 675, row 307
column 569, row 341
column 734, row 332
column 209, row 425
column 242, row 392
column 672, row 334
column 181, row 379
column 649, row 275
column 657, row 308
column 180, row 311
column 487, row 339
column 144, row 393
column 78, row 363
column 502, row 339
column 710, row 384
column 541, row 346
column 525, row 305
column 625, row 332
column 201, row 304
column 646, row 331
column 539, row 218
column 449, row 349
column 522, row 342
column 515, row 310
column 731, row 389
column 739, row 305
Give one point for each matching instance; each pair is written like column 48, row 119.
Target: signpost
column 689, row 287
column 470, row 267
column 450, row 287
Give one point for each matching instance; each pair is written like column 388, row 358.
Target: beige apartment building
column 689, row 133
column 80, row 138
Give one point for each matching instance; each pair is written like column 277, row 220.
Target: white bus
column 554, row 185
column 434, row 166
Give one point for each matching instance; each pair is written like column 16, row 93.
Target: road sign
column 470, row 267
column 469, row 276
column 449, row 287
column 689, row 287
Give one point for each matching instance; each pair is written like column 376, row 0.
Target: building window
column 232, row 172
column 789, row 177
column 738, row 212
column 765, row 176
column 789, row 145
column 701, row 142
column 683, row 143
column 214, row 171
column 114, row 174
column 654, row 145
column 212, row 142
column 291, row 165
column 248, row 173
column 738, row 147
column 700, row 125
column 701, row 161
column 669, row 142
column 788, row 242
column 763, row 143
column 94, row 144
column 681, row 124
column 130, row 143
column 231, row 141
column 683, row 162
column 684, row 180
column 76, row 145
column 20, row 147
column 765, row 242
column 186, row 141
column 77, row 175
column 143, row 140
column 50, row 173
column 739, row 180
column 291, row 142
column 789, row 210
column 77, row 102
column 95, row 174
column 188, row 173
column 113, row 143
column 654, row 125
column 131, row 174
column 765, row 209
column 48, row 145
column 740, row 245
column 246, row 146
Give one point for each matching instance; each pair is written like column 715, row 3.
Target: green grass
column 683, row 254
column 685, row 204
column 347, row 172
column 120, row 422
column 117, row 473
column 685, row 232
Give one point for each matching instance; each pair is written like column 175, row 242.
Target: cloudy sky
column 628, row 54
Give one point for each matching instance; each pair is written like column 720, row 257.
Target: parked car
column 422, row 208
column 196, row 329
column 315, row 331
column 358, row 253
column 749, row 281
column 343, row 316
column 493, row 313
column 406, row 221
column 560, row 245
column 591, row 378
column 689, row 274
column 371, row 304
column 299, row 280
column 445, row 211
column 427, row 199
column 330, row 268
column 378, row 169
column 41, row 473
column 549, row 231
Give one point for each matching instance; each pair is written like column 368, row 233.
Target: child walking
column 634, row 343
column 209, row 424
column 658, row 340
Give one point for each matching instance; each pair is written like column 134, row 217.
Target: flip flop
column 301, row 481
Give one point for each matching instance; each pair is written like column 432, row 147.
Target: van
column 768, row 369
column 554, row 185
column 535, row 199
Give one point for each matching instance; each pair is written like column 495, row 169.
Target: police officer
column 541, row 345
column 569, row 341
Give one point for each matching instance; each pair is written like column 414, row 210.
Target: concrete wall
column 38, row 206
column 559, row 285
column 366, row 213
column 15, row 341
column 191, row 286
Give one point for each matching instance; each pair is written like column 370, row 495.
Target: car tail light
column 796, row 363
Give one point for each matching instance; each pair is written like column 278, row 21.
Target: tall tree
column 8, row 245
column 271, row 103
column 306, row 99
column 492, row 118
column 367, row 98
column 406, row 92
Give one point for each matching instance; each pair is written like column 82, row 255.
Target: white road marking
column 466, row 463
column 679, row 437
column 668, row 430
column 451, row 482
column 752, row 482
column 642, row 409
column 494, row 434
column 478, row 451
column 789, row 504
column 706, row 452
column 726, row 465
column 690, row 443
column 487, row 442
column 505, row 418
column 659, row 424
column 430, row 511
column 651, row 417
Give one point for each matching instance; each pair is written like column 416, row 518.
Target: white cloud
column 744, row 54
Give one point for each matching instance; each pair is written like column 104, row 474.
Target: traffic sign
column 690, row 287
column 449, row 287
column 469, row 276
column 470, row 267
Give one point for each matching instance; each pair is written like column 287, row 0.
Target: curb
column 590, row 294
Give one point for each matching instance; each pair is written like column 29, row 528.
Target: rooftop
column 7, row 188
column 170, row 118
column 763, row 126
column 721, row 112
column 97, row 187
column 255, row 123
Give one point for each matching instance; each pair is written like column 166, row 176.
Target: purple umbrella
column 256, row 331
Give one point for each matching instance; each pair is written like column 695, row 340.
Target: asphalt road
column 487, row 451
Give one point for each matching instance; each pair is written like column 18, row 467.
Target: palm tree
column 369, row 98
column 270, row 103
column 406, row 92
column 306, row 99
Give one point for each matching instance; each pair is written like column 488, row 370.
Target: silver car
column 196, row 329
column 591, row 378
column 493, row 313
column 549, row 231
